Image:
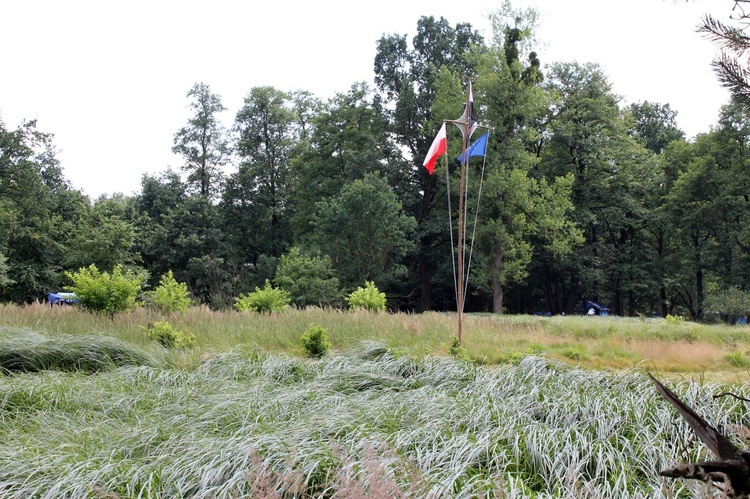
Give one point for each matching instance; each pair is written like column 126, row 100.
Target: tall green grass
column 366, row 422
column 89, row 407
column 594, row 342
column 27, row 351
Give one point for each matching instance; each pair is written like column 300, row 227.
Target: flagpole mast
column 460, row 286
column 467, row 123
column 461, row 242
column 461, row 199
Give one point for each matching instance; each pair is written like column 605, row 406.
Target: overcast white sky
column 109, row 79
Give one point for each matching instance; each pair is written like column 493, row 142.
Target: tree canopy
column 583, row 197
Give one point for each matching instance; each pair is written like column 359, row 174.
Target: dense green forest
column 584, row 198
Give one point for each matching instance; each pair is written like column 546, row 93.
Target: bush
column 457, row 351
column 730, row 304
column 309, row 280
column 574, row 352
column 169, row 296
column 674, row 319
column 104, row 292
column 266, row 300
column 368, row 298
column 167, row 336
column 315, row 341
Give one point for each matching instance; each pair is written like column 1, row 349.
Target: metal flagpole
column 464, row 123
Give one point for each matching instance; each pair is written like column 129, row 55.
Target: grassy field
column 600, row 343
column 549, row 407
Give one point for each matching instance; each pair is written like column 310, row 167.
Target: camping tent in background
column 586, row 306
column 62, row 298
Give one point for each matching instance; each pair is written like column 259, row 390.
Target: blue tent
column 62, row 298
column 590, row 305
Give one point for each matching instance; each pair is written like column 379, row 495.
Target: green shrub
column 266, row 300
column 675, row 319
column 514, row 357
column 169, row 296
column 368, row 298
column 574, row 352
column 315, row 341
column 167, row 336
column 104, row 292
column 309, row 280
column 457, row 351
column 737, row 359
column 729, row 303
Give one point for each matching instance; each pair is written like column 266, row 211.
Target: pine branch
column 732, row 38
column 733, row 75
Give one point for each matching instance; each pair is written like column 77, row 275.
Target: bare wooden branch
column 724, row 394
column 730, row 473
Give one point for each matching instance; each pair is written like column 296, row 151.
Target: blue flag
column 478, row 148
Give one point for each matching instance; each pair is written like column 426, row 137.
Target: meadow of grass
column 549, row 407
column 592, row 342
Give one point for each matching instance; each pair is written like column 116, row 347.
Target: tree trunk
column 698, row 311
column 662, row 288
column 425, row 244
column 497, row 285
column 555, row 301
column 425, row 277
column 617, row 297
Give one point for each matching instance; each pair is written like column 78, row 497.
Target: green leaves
column 315, row 341
column 266, row 300
column 169, row 296
column 168, row 336
column 104, row 292
column 365, row 232
column 203, row 142
column 368, row 298
column 309, row 280
column 257, row 197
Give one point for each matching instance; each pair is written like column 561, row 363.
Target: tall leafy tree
column 195, row 233
column 365, row 232
column 710, row 209
column 694, row 204
column 182, row 232
column 105, row 237
column 406, row 76
column 38, row 212
column 258, row 197
column 655, row 125
column 517, row 211
column 588, row 138
column 203, row 142
column 350, row 139
column 307, row 107
column 161, row 196
column 734, row 133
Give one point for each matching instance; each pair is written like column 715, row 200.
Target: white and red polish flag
column 438, row 148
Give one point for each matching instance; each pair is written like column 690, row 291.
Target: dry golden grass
column 591, row 342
